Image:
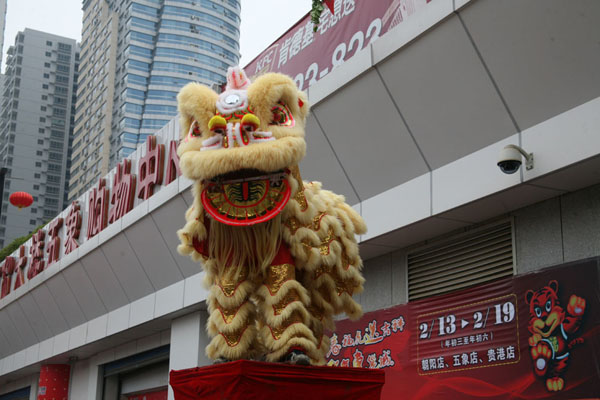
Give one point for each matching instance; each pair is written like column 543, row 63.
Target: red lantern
column 20, row 199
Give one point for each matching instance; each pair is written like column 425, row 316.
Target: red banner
column 533, row 336
column 54, row 382
column 308, row 56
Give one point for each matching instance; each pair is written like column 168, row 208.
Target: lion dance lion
column 280, row 254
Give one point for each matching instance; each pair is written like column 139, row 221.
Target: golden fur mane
column 253, row 246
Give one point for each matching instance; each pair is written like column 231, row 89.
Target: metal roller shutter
column 468, row 259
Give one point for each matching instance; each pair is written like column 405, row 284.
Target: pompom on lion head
column 249, row 129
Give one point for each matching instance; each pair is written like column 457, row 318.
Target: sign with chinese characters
column 466, row 334
column 308, row 56
column 530, row 337
column 107, row 202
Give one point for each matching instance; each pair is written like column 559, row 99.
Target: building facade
column 35, row 128
column 3, row 6
column 136, row 55
column 409, row 130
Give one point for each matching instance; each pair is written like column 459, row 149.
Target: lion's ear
column 529, row 296
column 553, row 285
column 303, row 105
column 196, row 102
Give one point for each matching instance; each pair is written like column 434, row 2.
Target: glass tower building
column 136, row 55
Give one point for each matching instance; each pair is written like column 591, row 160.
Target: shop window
column 21, row 394
column 471, row 258
column 143, row 374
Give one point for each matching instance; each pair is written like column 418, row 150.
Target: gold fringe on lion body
column 275, row 285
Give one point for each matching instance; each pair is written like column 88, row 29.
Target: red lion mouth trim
column 243, row 198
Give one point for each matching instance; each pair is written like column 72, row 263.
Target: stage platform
column 245, row 380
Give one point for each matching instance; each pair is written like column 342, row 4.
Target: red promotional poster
column 308, row 56
column 534, row 336
column 54, row 382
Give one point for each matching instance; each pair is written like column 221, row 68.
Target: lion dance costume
column 280, row 254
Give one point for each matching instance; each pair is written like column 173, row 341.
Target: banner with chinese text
column 532, row 336
column 308, row 56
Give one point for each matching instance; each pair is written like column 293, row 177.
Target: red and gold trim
column 277, row 275
column 245, row 202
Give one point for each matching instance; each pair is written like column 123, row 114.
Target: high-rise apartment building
column 3, row 4
column 36, row 118
column 135, row 56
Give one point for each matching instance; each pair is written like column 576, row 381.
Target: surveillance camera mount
column 528, row 156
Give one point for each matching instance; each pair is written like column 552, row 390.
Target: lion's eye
column 194, row 131
column 548, row 306
column 217, row 125
column 538, row 311
column 281, row 115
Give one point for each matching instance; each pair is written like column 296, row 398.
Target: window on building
column 52, row 190
column 54, row 167
column 48, row 43
column 37, row 176
column 42, row 119
column 38, row 153
column 62, row 79
column 56, row 145
column 47, row 76
column 58, row 112
column 38, row 164
column 41, row 130
column 64, row 58
column 40, row 141
column 48, row 54
column 46, row 65
column 64, row 46
column 55, row 156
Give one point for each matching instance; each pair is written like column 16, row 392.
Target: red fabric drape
column 259, row 380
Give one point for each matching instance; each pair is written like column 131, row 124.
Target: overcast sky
column 263, row 21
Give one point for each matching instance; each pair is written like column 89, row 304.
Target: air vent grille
column 470, row 259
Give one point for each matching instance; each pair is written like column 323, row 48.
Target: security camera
column 510, row 157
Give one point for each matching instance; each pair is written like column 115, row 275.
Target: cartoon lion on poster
column 551, row 330
column 280, row 254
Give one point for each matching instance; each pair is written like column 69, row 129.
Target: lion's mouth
column 246, row 197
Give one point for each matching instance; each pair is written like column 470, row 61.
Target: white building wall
column 188, row 340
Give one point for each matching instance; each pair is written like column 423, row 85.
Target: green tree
column 15, row 244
